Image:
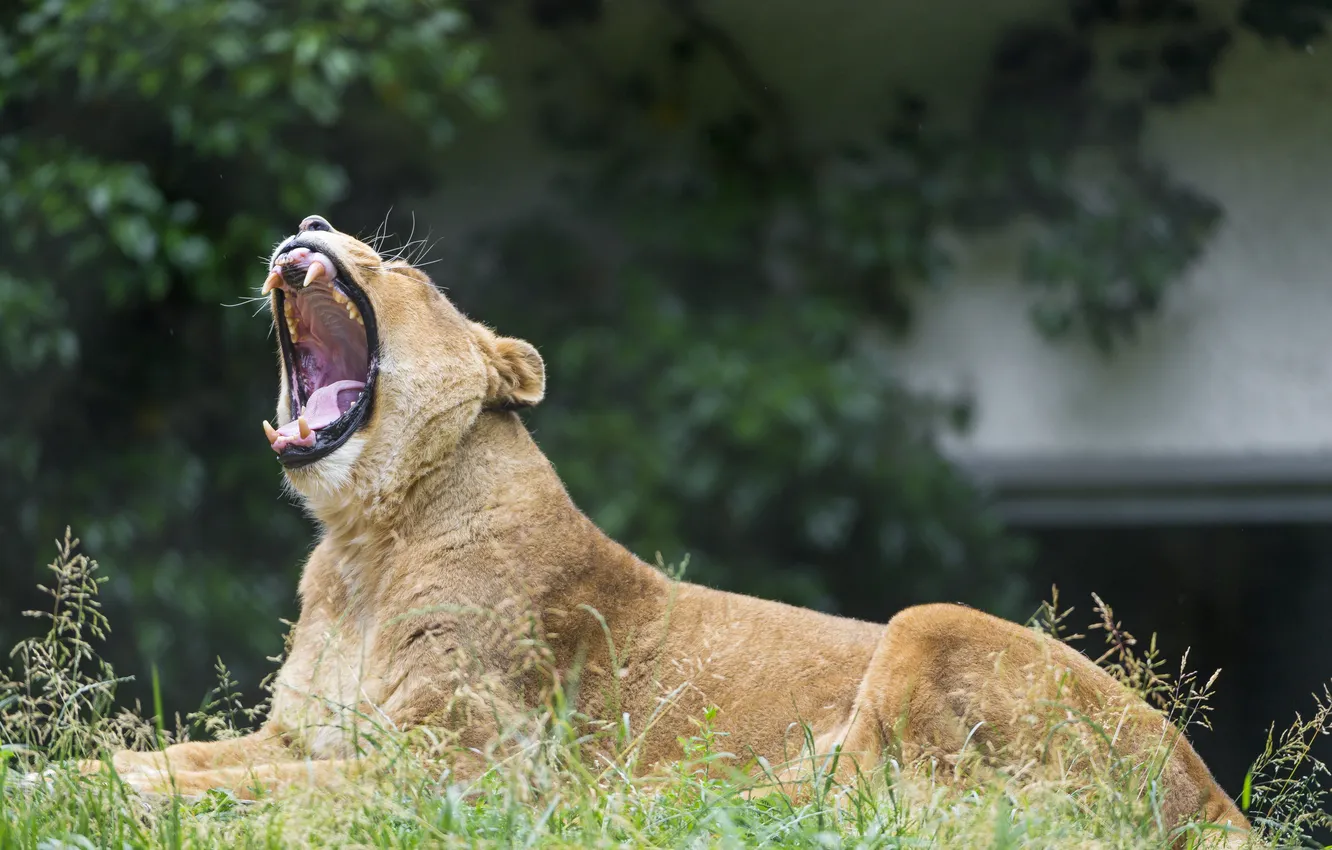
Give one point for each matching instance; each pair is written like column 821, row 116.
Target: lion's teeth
column 290, row 313
column 313, row 273
column 270, row 432
column 304, row 427
column 338, row 296
column 273, row 282
column 353, row 313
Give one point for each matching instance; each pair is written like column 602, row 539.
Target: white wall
column 1241, row 361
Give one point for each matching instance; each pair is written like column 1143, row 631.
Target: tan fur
column 449, row 547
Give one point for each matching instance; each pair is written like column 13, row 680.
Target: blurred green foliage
column 716, row 302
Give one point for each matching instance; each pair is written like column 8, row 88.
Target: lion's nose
column 315, row 222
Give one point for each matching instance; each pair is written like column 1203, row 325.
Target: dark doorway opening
column 1254, row 601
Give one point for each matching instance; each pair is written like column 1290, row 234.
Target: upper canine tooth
column 273, row 282
column 313, row 273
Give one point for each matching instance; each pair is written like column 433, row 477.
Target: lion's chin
column 328, row 483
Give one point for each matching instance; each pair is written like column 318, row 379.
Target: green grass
column 553, row 788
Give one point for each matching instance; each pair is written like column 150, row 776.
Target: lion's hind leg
column 952, row 682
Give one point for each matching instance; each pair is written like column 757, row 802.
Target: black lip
column 327, row 440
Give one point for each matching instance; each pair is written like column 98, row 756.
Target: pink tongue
column 322, row 408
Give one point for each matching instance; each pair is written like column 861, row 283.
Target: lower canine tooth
column 270, row 432
column 304, row 427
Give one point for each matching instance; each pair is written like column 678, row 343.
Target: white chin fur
column 326, row 483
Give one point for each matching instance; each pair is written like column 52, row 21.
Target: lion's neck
column 492, row 504
column 495, row 479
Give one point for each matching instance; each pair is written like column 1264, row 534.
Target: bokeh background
column 851, row 305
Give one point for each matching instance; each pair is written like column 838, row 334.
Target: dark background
column 710, row 281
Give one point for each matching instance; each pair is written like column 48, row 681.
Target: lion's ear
column 517, row 373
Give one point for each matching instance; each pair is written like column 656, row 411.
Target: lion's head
column 377, row 367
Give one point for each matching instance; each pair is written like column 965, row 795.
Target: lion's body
column 455, row 579
column 477, row 585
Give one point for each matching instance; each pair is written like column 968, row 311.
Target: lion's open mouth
column 327, row 331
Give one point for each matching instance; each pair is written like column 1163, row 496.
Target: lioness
column 448, row 539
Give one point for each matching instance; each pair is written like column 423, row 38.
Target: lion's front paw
column 129, row 762
column 138, row 770
column 143, row 772
column 88, row 767
column 147, row 782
